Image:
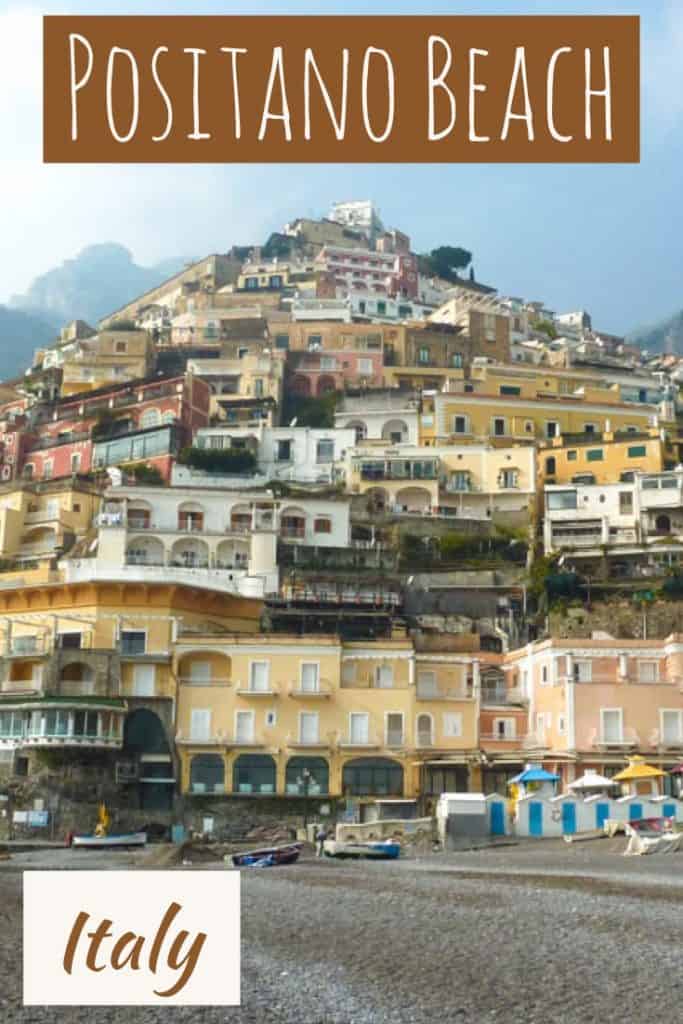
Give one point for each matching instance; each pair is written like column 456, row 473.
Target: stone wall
column 621, row 618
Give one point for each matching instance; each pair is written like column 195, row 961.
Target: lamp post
column 305, row 781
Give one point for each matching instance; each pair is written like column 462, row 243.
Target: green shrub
column 228, row 460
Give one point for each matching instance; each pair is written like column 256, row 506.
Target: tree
column 447, row 260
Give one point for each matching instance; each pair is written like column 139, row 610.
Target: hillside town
column 322, row 526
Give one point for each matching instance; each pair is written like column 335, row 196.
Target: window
column 611, row 725
column 637, row 451
column 322, row 525
column 324, row 451
column 328, row 363
column 258, row 388
column 47, row 469
column 508, row 389
column 460, row 480
column 499, row 428
column 457, row 360
column 284, row 451
column 314, row 341
column 423, row 355
column 120, row 347
column 648, row 671
column 552, row 429
column 259, row 676
column 460, row 425
column 200, row 724
column 381, row 308
column 244, row 726
column 271, row 718
column 558, row 500
column 627, row 477
column 384, row 677
column 452, row 724
column 365, row 367
column 589, row 428
column 11, row 723
column 359, row 723
column 561, row 725
column 571, row 455
column 310, row 676
column 133, row 641
column 143, row 680
column 594, row 455
column 508, row 479
column 405, row 310
column 150, row 418
column 75, row 462
column 282, row 341
column 504, row 728
column 551, row 466
column 671, row 726
column 70, row 641
column 309, row 727
column 426, row 684
column 394, row 729
column 200, row 672
column 544, row 674
column 625, row 502
column 582, row 671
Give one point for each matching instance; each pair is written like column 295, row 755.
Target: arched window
column 168, row 417
column 150, row 418
column 663, row 524
column 372, row 776
column 253, row 773
column 207, row 774
column 307, row 776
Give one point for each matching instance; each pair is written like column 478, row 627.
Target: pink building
column 595, row 703
column 314, row 373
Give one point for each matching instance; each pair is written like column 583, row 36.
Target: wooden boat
column 110, row 841
column 102, row 839
column 268, row 856
column 386, row 849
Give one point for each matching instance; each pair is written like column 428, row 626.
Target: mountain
column 20, row 334
column 99, row 280
column 666, row 336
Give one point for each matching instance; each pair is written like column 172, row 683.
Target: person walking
column 320, row 837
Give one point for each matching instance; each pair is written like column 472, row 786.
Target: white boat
column 110, row 841
column 387, row 849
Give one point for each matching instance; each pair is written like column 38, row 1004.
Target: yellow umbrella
column 637, row 769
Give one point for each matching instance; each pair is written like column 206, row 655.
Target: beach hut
column 640, row 779
column 591, row 783
column 534, row 787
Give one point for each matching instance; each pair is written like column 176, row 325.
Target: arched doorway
column 145, row 742
column 663, row 524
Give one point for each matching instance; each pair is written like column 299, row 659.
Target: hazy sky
column 606, row 238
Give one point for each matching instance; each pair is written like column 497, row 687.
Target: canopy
column 591, row 780
column 637, row 769
column 534, row 775
column 677, row 770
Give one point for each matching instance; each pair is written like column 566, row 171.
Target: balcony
column 322, row 691
column 369, row 742
column 502, row 696
column 425, row 740
column 307, row 743
column 510, row 740
column 250, row 691
column 444, row 693
column 27, row 647
column 627, row 740
column 395, row 738
column 213, row 681
column 218, row 739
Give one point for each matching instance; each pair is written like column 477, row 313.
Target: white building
column 387, row 417
column 359, row 214
column 297, row 454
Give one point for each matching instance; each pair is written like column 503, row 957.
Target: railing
column 212, row 681
column 441, row 693
column 323, row 688
column 395, row 738
column 368, row 742
column 241, row 690
column 310, row 741
column 496, row 737
column 498, row 695
column 23, row 646
column 425, row 740
column 297, row 533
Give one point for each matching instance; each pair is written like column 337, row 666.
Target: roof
column 591, row 780
column 637, row 769
column 534, row 774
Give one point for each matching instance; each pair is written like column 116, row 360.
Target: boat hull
column 112, row 842
column 368, row 851
column 268, row 856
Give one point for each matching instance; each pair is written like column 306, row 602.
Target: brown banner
column 341, row 89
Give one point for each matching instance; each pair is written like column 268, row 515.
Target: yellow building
column 604, row 458
column 110, row 357
column 89, row 667
column 310, row 715
column 40, row 522
column 502, row 418
column 248, row 387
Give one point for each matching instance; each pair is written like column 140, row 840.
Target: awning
column 535, row 775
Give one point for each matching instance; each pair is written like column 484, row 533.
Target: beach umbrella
column 534, row 774
column 591, row 780
column 677, row 769
column 637, row 770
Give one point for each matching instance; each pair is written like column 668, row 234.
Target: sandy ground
column 537, row 933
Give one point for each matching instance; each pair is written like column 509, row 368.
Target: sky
column 606, row 238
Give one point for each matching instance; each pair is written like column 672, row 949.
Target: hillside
column 666, row 336
column 20, row 334
column 100, row 279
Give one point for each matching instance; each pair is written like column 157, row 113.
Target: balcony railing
column 322, row 689
column 297, row 740
column 367, row 742
column 395, row 738
column 425, row 739
column 241, row 690
column 444, row 693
